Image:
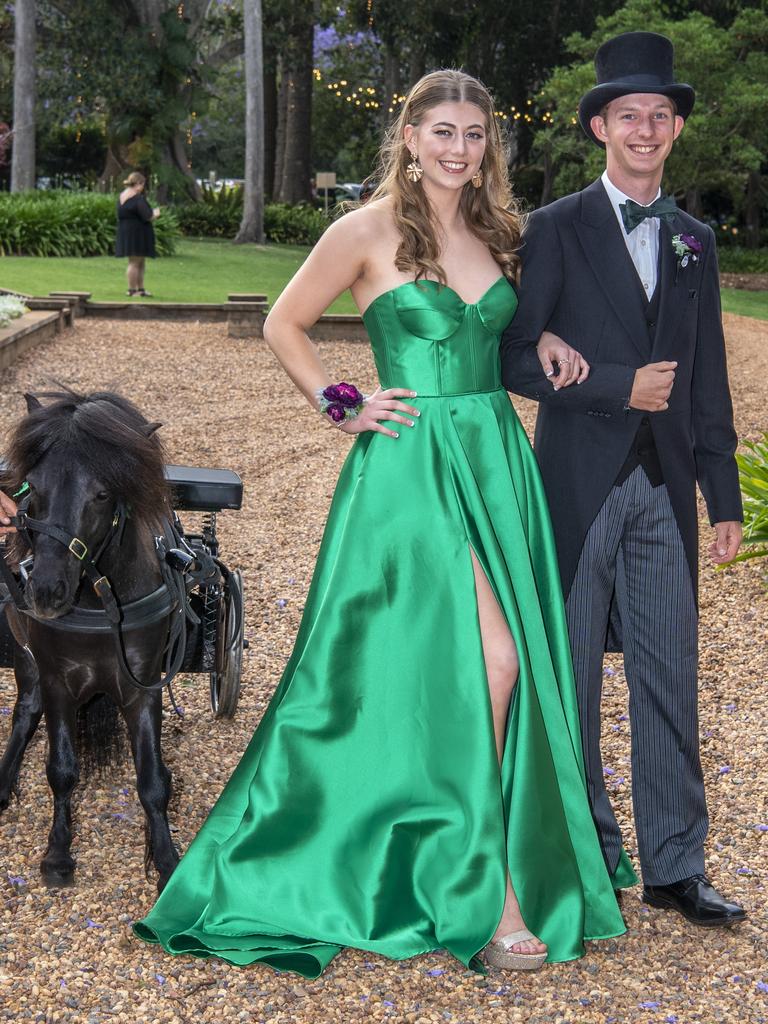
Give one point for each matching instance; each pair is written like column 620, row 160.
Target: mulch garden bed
column 68, row 955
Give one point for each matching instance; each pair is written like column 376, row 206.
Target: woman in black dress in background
column 135, row 234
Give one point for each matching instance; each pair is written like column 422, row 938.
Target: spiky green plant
column 753, row 477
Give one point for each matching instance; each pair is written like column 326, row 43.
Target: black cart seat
column 199, row 489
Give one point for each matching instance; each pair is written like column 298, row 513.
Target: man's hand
column 727, row 541
column 652, row 387
column 572, row 366
column 7, row 509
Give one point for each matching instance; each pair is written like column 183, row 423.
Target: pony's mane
column 102, row 431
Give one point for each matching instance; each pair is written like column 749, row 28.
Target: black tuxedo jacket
column 578, row 280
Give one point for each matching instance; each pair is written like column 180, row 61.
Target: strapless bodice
column 425, row 337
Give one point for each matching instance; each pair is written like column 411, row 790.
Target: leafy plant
column 753, row 477
column 219, row 215
column 54, row 223
column 736, row 260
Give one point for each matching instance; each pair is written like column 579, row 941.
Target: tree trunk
column 693, row 203
column 270, row 126
column 116, row 166
column 755, row 191
column 24, row 84
column 548, row 184
column 393, row 86
column 297, row 169
column 252, row 224
column 282, row 117
column 173, row 156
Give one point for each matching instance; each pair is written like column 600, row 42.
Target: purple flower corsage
column 687, row 249
column 340, row 402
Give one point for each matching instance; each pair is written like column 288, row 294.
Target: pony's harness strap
column 171, row 598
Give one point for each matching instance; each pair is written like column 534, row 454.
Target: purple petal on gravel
column 608, row 771
column 608, row 671
column 743, row 871
column 730, row 707
column 762, row 986
column 435, row 972
column 649, row 1004
column 92, row 924
column 761, row 828
column 724, row 769
column 386, row 1002
column 17, row 880
column 160, row 978
column 281, row 602
column 120, row 817
column 671, row 1018
column 623, row 718
column 5, row 711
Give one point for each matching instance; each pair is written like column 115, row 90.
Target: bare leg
column 135, row 273
column 141, row 264
column 502, row 668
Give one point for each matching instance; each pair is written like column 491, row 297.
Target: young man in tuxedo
column 621, row 285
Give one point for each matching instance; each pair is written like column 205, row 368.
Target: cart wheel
column 225, row 679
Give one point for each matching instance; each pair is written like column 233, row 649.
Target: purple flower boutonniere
column 687, row 249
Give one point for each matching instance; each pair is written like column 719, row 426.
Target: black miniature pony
column 88, row 473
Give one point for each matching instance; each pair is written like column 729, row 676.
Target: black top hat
column 629, row 63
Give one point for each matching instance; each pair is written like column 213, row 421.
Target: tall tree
column 24, row 92
column 295, row 105
column 252, row 224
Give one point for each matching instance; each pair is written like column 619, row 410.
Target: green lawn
column 745, row 303
column 206, row 270
column 203, row 270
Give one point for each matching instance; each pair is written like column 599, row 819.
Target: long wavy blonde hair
column 490, row 212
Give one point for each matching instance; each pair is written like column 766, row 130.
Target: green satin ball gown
column 368, row 809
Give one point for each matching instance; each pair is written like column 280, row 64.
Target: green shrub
column 737, row 260
column 218, row 215
column 55, row 223
column 293, row 225
column 753, row 477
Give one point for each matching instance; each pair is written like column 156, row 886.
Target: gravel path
column 69, row 956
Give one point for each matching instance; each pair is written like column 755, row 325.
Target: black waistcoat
column 643, row 451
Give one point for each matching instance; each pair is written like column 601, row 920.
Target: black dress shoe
column 697, row 900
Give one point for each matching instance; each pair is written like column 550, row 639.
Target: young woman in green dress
column 417, row 781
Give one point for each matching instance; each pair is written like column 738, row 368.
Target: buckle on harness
column 78, row 549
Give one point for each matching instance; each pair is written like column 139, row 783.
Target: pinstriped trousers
column 634, row 548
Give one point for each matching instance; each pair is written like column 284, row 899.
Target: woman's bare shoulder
column 367, row 223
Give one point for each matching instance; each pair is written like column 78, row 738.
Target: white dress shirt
column 642, row 243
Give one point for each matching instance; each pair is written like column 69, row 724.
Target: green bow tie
column 633, row 213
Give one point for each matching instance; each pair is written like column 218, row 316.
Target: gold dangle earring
column 414, row 170
column 477, row 177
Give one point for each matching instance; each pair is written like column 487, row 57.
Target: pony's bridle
column 170, row 599
column 26, row 525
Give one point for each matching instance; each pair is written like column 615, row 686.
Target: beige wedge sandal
column 499, row 953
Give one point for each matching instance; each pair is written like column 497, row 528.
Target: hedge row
column 63, row 223
column 219, row 215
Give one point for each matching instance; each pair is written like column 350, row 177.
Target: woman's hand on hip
column 572, row 367
column 382, row 405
